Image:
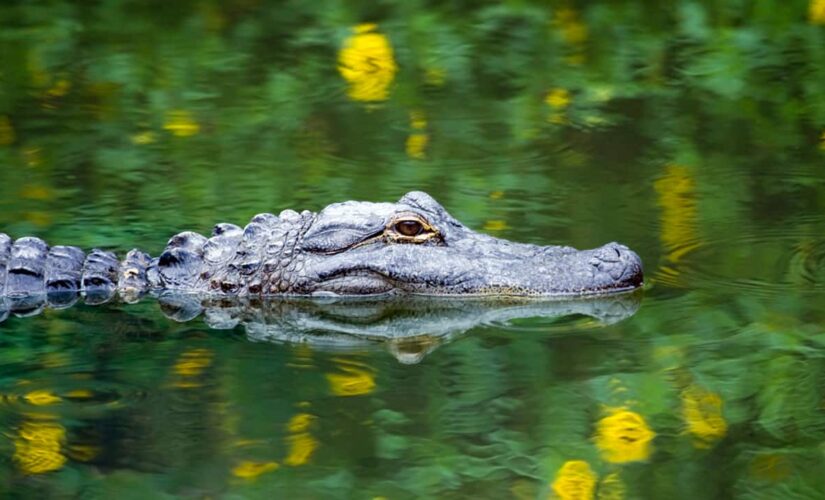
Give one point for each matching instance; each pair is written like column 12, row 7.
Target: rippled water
column 694, row 137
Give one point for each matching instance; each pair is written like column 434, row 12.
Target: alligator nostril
column 618, row 253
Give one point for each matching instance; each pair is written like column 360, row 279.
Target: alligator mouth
column 604, row 290
column 612, row 269
column 356, row 281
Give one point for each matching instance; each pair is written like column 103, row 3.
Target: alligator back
column 260, row 259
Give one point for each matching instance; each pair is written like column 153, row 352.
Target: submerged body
column 353, row 248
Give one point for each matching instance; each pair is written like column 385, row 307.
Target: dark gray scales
column 64, row 268
column 100, row 274
column 133, row 278
column 5, row 254
column 26, row 270
column 64, row 275
column 180, row 263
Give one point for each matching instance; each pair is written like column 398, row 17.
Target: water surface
column 694, row 135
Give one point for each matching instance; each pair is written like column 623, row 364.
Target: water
column 694, row 136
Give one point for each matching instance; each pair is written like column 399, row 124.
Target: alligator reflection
column 409, row 327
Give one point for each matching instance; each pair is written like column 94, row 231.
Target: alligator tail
column 232, row 261
column 30, row 270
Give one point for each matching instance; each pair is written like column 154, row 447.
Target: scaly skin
column 352, row 248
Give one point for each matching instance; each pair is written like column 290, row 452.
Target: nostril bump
column 618, row 253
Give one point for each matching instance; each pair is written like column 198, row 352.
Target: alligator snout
column 618, row 262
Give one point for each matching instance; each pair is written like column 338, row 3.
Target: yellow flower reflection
column 300, row 422
column 495, row 225
column 676, row 192
column 251, row 470
column 354, row 381
column 181, row 123
column 572, row 30
column 417, row 141
column 301, row 448
column 191, row 364
column 416, row 146
column 37, row 447
column 80, row 394
column 300, row 442
column 623, row 436
column 558, row 98
column 575, row 480
column 143, row 138
column 574, row 33
column 367, row 63
column 816, row 11
column 418, row 120
column 702, row 412
column 60, row 88
column 677, row 198
column 41, row 398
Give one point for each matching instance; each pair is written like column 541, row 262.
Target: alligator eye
column 409, row 228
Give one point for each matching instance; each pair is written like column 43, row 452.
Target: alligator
column 412, row 247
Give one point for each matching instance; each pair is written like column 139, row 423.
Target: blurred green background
column 694, row 132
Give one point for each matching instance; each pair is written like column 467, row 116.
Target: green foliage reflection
column 695, row 132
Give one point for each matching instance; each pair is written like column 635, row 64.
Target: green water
column 692, row 132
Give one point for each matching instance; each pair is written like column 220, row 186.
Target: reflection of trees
column 229, row 110
column 227, row 97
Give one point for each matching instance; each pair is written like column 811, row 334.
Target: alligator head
column 415, row 246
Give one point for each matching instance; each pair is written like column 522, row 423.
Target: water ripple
column 75, row 398
column 769, row 263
